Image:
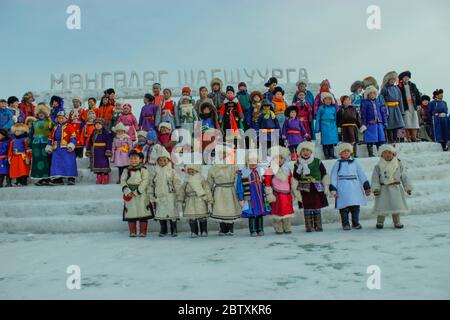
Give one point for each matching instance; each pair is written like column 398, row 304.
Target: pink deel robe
column 121, row 146
column 130, row 121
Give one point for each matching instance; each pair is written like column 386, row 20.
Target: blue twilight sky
column 328, row 38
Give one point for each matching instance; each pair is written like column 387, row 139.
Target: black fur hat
column 271, row 81
column 134, row 152
column 230, row 88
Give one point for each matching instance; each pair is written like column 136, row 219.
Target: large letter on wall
column 56, row 81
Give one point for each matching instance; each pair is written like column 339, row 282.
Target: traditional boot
column 24, row 181
column 56, row 182
column 8, row 182
column 370, row 150
column 194, row 228
column 71, row 181
column 173, row 228
column 355, row 150
column 325, row 152
column 252, row 226
column 318, row 222
column 143, row 225
column 203, row 227
column 287, row 225
column 380, row 222
column 331, row 151
column 132, row 228
column 396, row 219
column 99, row 178
column 2, row 178
column 230, row 229
column 309, row 224
column 222, row 229
column 355, row 218
column 344, row 220
column 260, row 226
column 163, row 231
column 278, row 226
column 106, row 178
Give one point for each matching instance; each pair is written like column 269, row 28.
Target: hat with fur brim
column 387, row 147
column 325, row 95
column 166, row 125
column 370, row 89
column 120, row 127
column 256, row 93
column 216, row 81
column 280, row 151
column 134, row 152
column 271, row 81
column 392, row 75
column 288, row 111
column 42, row 108
column 206, row 104
column 78, row 99
column 370, row 81
column 19, row 127
column 356, row 85
column 30, row 119
column 344, row 147
column 163, row 153
column 306, row 145
column 99, row 121
column 195, row 167
column 141, row 133
column 278, row 89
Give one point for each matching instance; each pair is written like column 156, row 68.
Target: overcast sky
column 328, row 38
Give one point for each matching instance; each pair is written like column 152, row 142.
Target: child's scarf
column 268, row 114
column 303, row 167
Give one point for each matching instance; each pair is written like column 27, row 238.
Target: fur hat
column 165, row 125
column 78, row 99
column 42, row 108
column 128, row 106
column 99, row 120
column 278, row 89
column 306, row 145
column 141, row 133
column 28, row 95
column 356, row 85
column 229, row 88
column 242, row 84
column 280, row 151
column 119, row 126
column 344, row 147
column 404, row 74
column 151, row 135
column 370, row 89
column 30, row 119
column 256, row 93
column 156, row 85
column 62, row 113
column 300, row 82
column 57, row 99
column 196, row 167
column 216, row 81
column 162, row 153
column 19, row 127
column 392, row 75
column 289, row 110
column 271, row 81
column 325, row 95
column 370, row 81
column 387, row 147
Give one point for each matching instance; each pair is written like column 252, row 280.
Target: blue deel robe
column 64, row 163
column 256, row 206
column 326, row 124
column 349, row 181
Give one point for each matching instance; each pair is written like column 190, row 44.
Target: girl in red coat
column 277, row 180
column 19, row 154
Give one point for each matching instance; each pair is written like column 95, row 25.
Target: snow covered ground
column 331, row 265
column 43, row 230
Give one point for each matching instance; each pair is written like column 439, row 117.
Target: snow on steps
column 87, row 207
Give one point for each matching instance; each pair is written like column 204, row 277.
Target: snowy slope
column 329, row 265
column 87, row 207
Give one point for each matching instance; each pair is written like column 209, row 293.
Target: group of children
column 43, row 142
column 227, row 193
